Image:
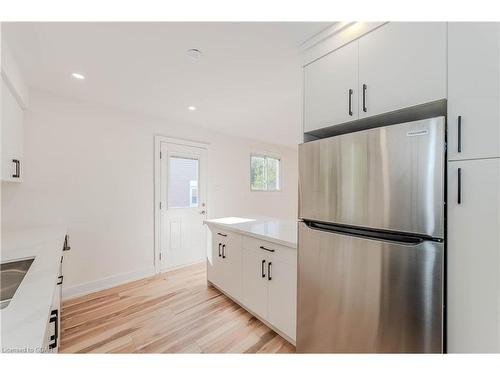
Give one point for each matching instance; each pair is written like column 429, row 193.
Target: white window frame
column 280, row 174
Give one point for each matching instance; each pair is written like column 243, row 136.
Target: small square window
column 265, row 173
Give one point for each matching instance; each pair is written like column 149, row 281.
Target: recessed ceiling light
column 194, row 54
column 78, row 76
column 192, row 108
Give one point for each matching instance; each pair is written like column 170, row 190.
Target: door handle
column 364, row 97
column 350, row 102
column 17, row 173
column 269, row 277
column 219, row 249
column 459, row 134
column 459, row 186
column 262, row 268
column 224, row 251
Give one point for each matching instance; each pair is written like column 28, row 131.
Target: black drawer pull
column 224, row 251
column 269, row 277
column 222, row 234
column 265, row 248
column 459, row 186
column 459, row 134
column 17, row 163
column 61, row 278
column 263, row 272
column 219, row 249
column 66, row 246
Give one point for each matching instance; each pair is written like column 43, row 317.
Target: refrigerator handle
column 459, row 186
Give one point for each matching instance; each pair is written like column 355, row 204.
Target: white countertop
column 283, row 232
column 24, row 320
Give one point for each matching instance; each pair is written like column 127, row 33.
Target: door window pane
column 182, row 182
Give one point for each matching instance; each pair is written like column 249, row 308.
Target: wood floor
column 175, row 312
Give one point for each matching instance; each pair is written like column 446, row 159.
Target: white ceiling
column 247, row 83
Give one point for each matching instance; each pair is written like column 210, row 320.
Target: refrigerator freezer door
column 358, row 295
column 387, row 178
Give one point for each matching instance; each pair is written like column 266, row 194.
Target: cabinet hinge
column 160, row 205
column 160, row 154
column 160, row 255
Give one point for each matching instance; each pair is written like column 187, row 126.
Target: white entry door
column 183, row 207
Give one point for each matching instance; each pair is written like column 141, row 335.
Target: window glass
column 264, row 173
column 182, row 182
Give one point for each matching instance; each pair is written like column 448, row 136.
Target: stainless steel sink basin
column 11, row 275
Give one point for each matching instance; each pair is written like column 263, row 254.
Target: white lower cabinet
column 224, row 263
column 282, row 296
column 261, row 275
column 473, row 256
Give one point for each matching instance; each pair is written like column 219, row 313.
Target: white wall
column 91, row 168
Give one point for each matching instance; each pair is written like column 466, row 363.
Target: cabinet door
column 282, row 296
column 12, row 136
column 327, row 82
column 473, row 256
column 473, row 90
column 214, row 261
column 231, row 263
column 402, row 65
column 254, row 280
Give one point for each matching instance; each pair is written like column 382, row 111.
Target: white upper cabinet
column 330, row 89
column 401, row 65
column 12, row 136
column 473, row 90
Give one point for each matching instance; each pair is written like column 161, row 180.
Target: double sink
column 11, row 275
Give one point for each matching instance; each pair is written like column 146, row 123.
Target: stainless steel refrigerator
column 371, row 241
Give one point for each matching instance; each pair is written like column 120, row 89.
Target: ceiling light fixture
column 192, row 108
column 78, row 76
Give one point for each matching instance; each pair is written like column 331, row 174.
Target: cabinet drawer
column 282, row 253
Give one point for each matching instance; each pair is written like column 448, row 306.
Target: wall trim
column 106, row 283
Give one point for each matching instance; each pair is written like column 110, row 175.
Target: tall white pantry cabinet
column 473, row 187
column 355, row 71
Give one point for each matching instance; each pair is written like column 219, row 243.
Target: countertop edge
column 252, row 234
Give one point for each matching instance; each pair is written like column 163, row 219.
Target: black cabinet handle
column 265, row 248
column 262, row 268
column 459, row 186
column 219, row 249
column 459, row 134
column 269, row 277
column 222, row 234
column 17, row 163
column 61, row 278
column 364, row 97
column 350, row 102
column 66, row 246
column 224, row 251
column 54, row 319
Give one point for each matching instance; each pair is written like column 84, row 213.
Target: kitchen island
column 254, row 262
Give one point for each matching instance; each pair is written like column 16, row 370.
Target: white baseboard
column 108, row 282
